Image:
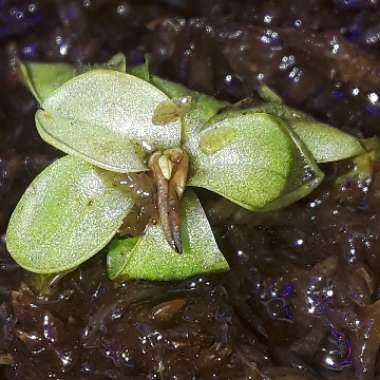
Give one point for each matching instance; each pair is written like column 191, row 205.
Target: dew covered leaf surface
column 150, row 256
column 43, row 79
column 250, row 159
column 67, row 215
column 105, row 118
column 327, row 144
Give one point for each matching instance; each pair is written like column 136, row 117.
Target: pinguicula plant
column 136, row 142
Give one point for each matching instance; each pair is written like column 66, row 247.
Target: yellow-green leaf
column 141, row 71
column 304, row 177
column 258, row 164
column 327, row 144
column 364, row 164
column 203, row 108
column 268, row 95
column 105, row 118
column 68, row 214
column 43, row 79
column 150, row 257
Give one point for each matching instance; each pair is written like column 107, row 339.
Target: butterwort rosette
column 122, row 127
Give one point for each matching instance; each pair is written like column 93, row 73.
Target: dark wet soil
column 302, row 301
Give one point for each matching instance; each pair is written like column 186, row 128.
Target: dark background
column 301, row 301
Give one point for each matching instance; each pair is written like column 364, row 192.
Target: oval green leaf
column 105, row 118
column 259, row 168
column 118, row 62
column 141, row 71
column 43, row 79
column 67, row 215
column 203, row 107
column 326, row 143
column 150, row 256
column 304, row 177
column 268, row 95
column 364, row 166
column 372, row 144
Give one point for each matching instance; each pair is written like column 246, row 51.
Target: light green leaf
column 102, row 150
column 150, row 256
column 327, row 144
column 119, row 254
column 268, row 95
column 305, row 176
column 362, row 170
column 68, row 214
column 203, row 107
column 253, row 160
column 43, row 79
column 142, row 71
column 171, row 89
column 117, row 62
column 372, row 144
column 171, row 110
column 364, row 164
column 105, row 118
column 45, row 284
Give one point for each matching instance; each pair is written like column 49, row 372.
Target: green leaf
column 203, row 107
column 105, row 118
column 327, row 144
column 305, row 176
column 43, row 79
column 150, row 256
column 268, row 95
column 253, row 160
column 364, row 164
column 117, row 62
column 142, row 71
column 119, row 254
column 171, row 89
column 372, row 144
column 68, row 214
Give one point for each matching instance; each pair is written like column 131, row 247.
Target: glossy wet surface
column 302, row 299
